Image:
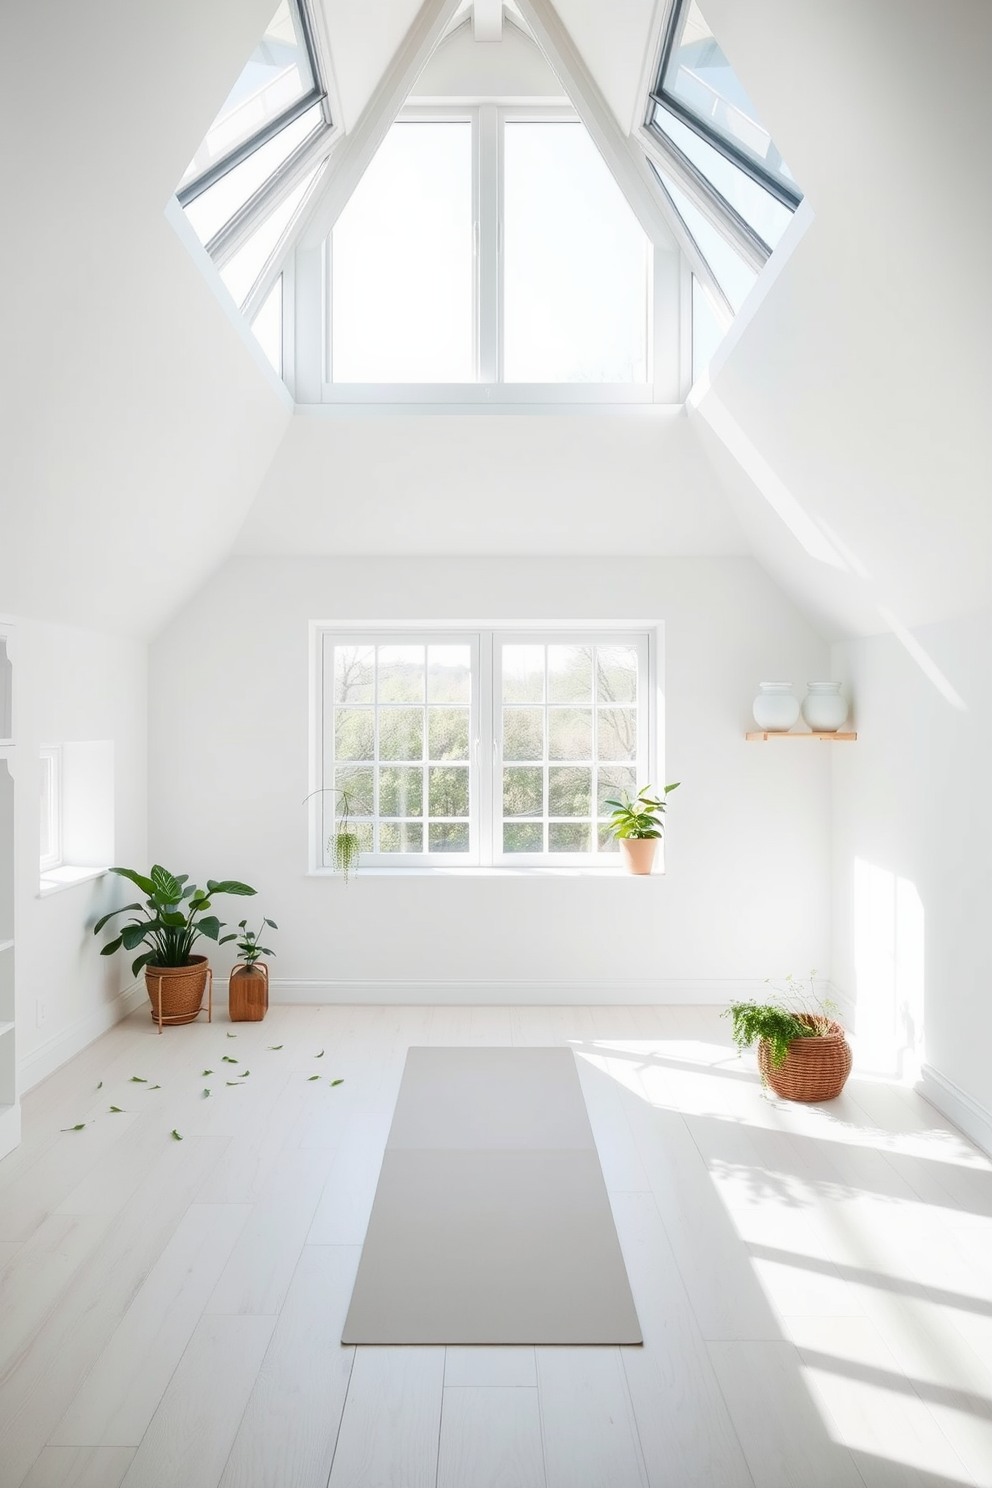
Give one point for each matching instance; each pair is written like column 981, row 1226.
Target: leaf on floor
column 138, row 1080
column 205, row 1090
column 245, row 1074
column 313, row 1077
column 205, row 1074
column 234, row 1082
column 78, row 1127
column 154, row 1087
column 117, row 1108
column 232, row 1035
column 100, row 1086
column 176, row 1135
column 275, row 1046
column 227, row 1059
column 320, row 1055
column 336, row 1082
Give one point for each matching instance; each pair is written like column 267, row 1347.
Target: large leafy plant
column 640, row 815
column 173, row 917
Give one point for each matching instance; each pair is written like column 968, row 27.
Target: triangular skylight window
column 262, row 153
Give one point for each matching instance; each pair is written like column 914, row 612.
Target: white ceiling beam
column 353, row 155
column 487, row 20
column 624, row 159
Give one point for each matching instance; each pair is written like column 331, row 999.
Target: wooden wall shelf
column 785, row 734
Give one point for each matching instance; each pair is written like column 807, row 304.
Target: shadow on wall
column 888, row 970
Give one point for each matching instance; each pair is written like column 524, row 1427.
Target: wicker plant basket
column 176, row 992
column 248, row 992
column 815, row 1069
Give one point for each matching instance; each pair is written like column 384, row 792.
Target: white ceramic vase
column 775, row 709
column 823, row 707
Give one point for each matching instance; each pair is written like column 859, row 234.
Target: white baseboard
column 516, row 994
column 954, row 1103
column 42, row 1062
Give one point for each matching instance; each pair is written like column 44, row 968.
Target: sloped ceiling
column 863, row 378
column 135, row 420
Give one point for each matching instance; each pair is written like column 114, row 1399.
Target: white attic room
column 421, row 420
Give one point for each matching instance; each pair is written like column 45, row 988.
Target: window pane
column 750, row 200
column 401, row 733
column 523, row 790
column 267, row 327
column 449, row 674
column 448, row 791
column 569, row 837
column 734, row 276
column 359, row 788
column 276, row 75
column 523, row 674
column 701, row 78
column 208, row 212
column 401, row 792
column 401, row 674
column 523, row 733
column 240, row 272
column 616, row 674
column 617, row 734
column 397, row 837
column 570, row 674
column 354, row 674
column 612, row 782
column 570, row 733
column 447, row 733
column 354, row 734
column 448, row 837
column 522, row 837
column 402, row 301
column 575, row 263
column 569, row 790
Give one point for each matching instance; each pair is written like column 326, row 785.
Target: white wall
column 747, row 888
column 73, row 685
column 911, row 868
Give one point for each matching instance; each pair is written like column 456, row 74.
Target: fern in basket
column 797, row 1012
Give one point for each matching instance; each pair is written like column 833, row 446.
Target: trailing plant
column 640, row 815
column 173, row 917
column 249, row 950
column 797, row 1012
column 344, row 844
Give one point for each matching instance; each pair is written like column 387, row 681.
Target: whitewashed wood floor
column 814, row 1284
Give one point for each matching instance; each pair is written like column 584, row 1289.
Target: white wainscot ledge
column 954, row 1103
column 508, row 993
column 66, row 877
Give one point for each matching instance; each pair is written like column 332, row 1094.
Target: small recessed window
column 51, row 806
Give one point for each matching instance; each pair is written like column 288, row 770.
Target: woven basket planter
column 248, row 992
column 815, row 1069
column 176, row 992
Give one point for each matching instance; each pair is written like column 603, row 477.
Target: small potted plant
column 172, row 919
column 344, row 843
column 248, row 987
column 803, row 1054
column 636, row 823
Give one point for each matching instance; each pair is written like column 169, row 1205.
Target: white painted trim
column 63, row 1046
column 957, row 1105
column 664, row 993
column 10, row 1128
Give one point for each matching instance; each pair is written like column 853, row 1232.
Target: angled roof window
column 733, row 275
column 279, row 83
column 697, row 84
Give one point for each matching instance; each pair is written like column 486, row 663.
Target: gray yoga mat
column 491, row 1222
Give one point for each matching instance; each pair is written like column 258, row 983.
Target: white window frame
column 51, row 765
column 488, row 121
column 486, row 745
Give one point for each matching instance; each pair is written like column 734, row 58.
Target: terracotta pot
column 248, row 992
column 176, row 992
column 638, row 853
column 815, row 1069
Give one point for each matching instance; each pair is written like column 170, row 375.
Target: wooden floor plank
column 79, row 1467
column 493, row 1367
column 490, row 1438
column 191, row 1433
column 389, row 1431
column 587, row 1420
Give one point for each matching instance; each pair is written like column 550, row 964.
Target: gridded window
column 481, row 749
column 398, row 745
column 570, row 724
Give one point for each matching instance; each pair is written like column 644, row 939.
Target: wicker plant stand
column 176, row 992
column 815, row 1069
column 248, row 992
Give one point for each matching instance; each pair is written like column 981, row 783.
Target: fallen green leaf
column 228, row 1060
column 154, row 1087
column 320, row 1055
column 275, row 1046
column 100, row 1086
column 205, row 1090
column 205, row 1074
column 313, row 1077
column 117, row 1108
column 78, row 1127
column 138, row 1080
column 336, row 1082
column 176, row 1135
column 245, row 1075
column 232, row 1035
column 234, row 1082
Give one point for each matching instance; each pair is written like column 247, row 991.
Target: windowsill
column 476, row 871
column 66, row 876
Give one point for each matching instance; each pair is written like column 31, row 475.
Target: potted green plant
column 248, row 986
column 803, row 1053
column 174, row 916
column 344, row 843
column 636, row 823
